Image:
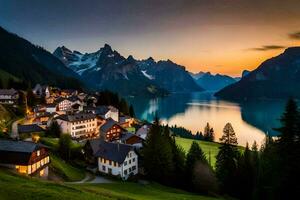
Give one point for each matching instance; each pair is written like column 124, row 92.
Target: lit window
column 38, row 153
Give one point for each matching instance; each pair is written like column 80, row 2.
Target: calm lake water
column 251, row 120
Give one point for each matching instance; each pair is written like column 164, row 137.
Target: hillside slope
column 16, row 187
column 33, row 64
column 277, row 77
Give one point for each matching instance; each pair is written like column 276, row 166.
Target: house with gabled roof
column 8, row 96
column 65, row 104
column 78, row 125
column 111, row 130
column 114, row 158
column 25, row 157
column 105, row 112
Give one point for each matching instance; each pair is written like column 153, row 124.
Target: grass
column 60, row 167
column 53, row 143
column 13, row 187
column 5, row 76
column 211, row 148
column 6, row 118
column 65, row 170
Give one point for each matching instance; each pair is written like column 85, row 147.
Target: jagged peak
column 107, row 46
column 150, row 59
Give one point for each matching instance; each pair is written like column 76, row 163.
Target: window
column 125, row 163
column 129, row 170
column 125, row 172
column 133, row 167
column 38, row 153
column 129, row 161
column 110, row 162
column 133, row 159
column 103, row 168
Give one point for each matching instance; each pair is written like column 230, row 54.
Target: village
column 110, row 140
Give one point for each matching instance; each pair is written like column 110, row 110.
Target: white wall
column 121, row 169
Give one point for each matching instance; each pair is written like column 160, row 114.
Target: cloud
column 267, row 48
column 295, row 35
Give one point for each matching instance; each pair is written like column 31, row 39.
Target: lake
column 251, row 120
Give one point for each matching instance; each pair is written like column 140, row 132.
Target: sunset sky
column 221, row 36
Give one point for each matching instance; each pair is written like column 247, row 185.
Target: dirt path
column 91, row 178
column 14, row 129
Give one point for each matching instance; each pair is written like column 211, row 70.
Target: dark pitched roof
column 122, row 119
column 111, row 151
column 127, row 135
column 8, row 91
column 102, row 110
column 19, row 146
column 17, row 152
column 50, row 105
column 108, row 125
column 76, row 117
column 73, row 98
column 29, row 128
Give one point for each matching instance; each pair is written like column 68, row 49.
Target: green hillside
column 33, row 64
column 17, row 187
column 207, row 147
column 5, row 77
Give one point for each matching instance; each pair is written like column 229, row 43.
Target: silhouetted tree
column 64, row 146
column 54, row 130
column 131, row 111
column 226, row 164
column 157, row 155
column 208, row 134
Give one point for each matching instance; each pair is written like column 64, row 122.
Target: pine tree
column 288, row 150
column 157, row 155
column 124, row 107
column 245, row 175
column 131, row 111
column 226, row 164
column 228, row 136
column 64, row 146
column 194, row 154
column 54, row 130
column 206, row 133
column 178, row 161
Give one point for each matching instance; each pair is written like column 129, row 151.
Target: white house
column 114, row 158
column 51, row 108
column 64, row 104
column 143, row 131
column 78, row 125
column 107, row 112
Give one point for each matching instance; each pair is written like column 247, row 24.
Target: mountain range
column 212, row 82
column 277, row 77
column 108, row 69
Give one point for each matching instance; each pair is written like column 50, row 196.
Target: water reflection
column 250, row 120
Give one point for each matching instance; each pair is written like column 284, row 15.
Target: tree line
column 207, row 135
column 271, row 172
